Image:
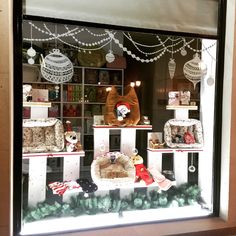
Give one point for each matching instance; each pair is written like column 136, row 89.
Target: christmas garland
column 183, row 195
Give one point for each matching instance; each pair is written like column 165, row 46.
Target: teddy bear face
column 122, row 110
column 71, row 137
column 137, row 159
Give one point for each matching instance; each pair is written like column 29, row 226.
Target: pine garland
column 183, row 195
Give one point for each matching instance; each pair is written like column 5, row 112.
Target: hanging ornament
column 31, row 61
column 135, row 151
column 110, row 57
column 191, row 168
column 210, row 80
column 31, row 52
column 57, row 68
column 183, row 51
column 172, row 66
column 195, row 70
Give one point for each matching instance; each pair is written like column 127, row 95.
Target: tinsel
column 183, row 195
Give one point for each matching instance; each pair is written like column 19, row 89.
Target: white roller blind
column 193, row 16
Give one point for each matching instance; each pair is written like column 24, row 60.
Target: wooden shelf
column 180, row 107
column 168, row 150
column 37, row 104
column 52, row 154
column 137, row 127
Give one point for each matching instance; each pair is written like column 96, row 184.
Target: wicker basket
column 126, row 175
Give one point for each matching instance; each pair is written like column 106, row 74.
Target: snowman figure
column 122, row 110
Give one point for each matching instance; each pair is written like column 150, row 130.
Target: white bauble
column 31, row 52
column 110, row 57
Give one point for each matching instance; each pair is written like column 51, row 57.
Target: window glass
column 117, row 127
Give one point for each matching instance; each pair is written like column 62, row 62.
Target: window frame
column 17, row 121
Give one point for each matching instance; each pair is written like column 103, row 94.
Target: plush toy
column 122, row 110
column 141, row 171
column 71, row 139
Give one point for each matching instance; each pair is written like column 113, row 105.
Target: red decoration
column 189, row 138
column 142, row 173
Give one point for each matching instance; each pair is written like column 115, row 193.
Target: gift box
column 39, row 95
column 174, row 98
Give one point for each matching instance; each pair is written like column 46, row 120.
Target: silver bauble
column 195, row 70
column 57, row 68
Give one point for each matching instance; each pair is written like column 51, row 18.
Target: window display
column 129, row 127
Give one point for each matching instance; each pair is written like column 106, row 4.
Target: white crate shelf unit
column 38, row 161
column 180, row 155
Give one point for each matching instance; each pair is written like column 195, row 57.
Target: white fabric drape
column 193, row 16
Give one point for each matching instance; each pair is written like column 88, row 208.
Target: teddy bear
column 71, row 139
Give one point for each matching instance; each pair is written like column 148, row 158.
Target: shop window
column 117, row 127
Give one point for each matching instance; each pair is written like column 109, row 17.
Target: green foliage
column 80, row 205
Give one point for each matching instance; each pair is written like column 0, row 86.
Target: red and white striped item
column 61, row 187
column 163, row 183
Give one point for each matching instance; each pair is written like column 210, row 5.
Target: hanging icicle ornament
column 57, row 68
column 183, row 51
column 172, row 64
column 195, row 70
column 171, row 67
column 31, row 52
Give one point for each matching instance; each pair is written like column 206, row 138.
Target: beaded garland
column 108, row 36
